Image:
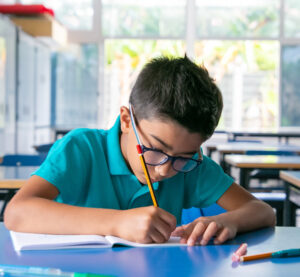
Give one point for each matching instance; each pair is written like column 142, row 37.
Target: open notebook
column 29, row 241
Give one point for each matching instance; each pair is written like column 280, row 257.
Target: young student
column 92, row 181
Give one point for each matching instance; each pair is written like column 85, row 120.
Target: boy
column 92, row 181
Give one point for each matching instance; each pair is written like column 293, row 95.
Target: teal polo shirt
column 88, row 169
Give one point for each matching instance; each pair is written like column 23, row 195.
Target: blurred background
column 251, row 49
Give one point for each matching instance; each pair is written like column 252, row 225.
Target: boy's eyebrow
column 170, row 147
column 162, row 142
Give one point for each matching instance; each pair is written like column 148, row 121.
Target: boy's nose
column 164, row 169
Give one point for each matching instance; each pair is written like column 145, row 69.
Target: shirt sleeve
column 66, row 167
column 206, row 184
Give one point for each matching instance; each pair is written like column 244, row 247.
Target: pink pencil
column 241, row 251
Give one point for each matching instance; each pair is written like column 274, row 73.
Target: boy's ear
column 125, row 119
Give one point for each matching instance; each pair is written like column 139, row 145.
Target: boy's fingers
column 157, row 237
column 222, row 236
column 168, row 218
column 178, row 232
column 210, row 231
column 164, row 229
column 197, row 231
column 183, row 240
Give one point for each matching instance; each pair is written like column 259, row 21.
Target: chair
column 244, row 140
column 17, row 160
column 275, row 200
column 43, row 148
column 265, row 174
column 22, row 160
column 274, row 196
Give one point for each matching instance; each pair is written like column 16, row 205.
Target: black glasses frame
column 172, row 158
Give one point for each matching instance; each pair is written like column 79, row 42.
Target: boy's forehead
column 170, row 133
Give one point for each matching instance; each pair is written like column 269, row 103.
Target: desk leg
column 209, row 153
column 287, row 206
column 226, row 167
column 7, row 198
column 222, row 162
column 244, row 178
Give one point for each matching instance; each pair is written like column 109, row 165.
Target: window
column 235, row 18
column 74, row 14
column 246, row 73
column 245, row 69
column 2, row 81
column 76, row 87
column 290, row 97
column 292, row 19
column 145, row 18
column 240, row 42
column 123, row 61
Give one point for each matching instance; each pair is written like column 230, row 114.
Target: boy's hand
column 146, row 225
column 203, row 229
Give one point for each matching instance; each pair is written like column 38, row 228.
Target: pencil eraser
column 139, row 149
column 235, row 258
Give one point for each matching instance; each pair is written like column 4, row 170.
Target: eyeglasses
column 155, row 157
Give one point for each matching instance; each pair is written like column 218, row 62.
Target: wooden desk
column 292, row 183
column 12, row 183
column 265, row 133
column 247, row 163
column 211, row 144
column 11, row 176
column 11, row 179
column 200, row 261
column 242, row 148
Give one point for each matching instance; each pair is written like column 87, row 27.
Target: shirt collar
column 116, row 161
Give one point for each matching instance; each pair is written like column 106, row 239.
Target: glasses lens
column 154, row 157
column 184, row 165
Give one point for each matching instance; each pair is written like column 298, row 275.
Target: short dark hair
column 178, row 89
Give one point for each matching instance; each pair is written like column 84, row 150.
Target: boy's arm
column 244, row 213
column 32, row 209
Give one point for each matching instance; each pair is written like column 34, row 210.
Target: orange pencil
column 295, row 252
column 149, row 183
column 256, row 257
column 140, row 152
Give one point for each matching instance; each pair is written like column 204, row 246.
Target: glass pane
column 8, row 37
column 292, row 18
column 237, row 18
column 76, row 86
column 124, row 60
column 245, row 71
column 74, row 14
column 26, row 93
column 148, row 18
column 2, row 82
column 290, row 98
